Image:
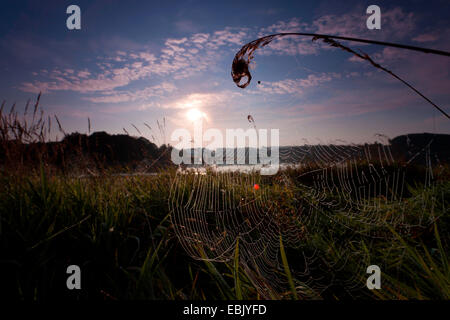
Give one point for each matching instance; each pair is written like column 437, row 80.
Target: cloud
column 296, row 86
column 291, row 46
column 292, row 25
column 119, row 78
column 425, row 37
column 227, row 37
column 186, row 26
column 203, row 100
column 34, row 87
column 84, row 74
column 396, row 24
column 130, row 96
column 200, row 38
column 288, row 45
column 390, row 55
column 179, row 58
column 112, row 79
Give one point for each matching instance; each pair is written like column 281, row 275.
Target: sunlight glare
column 195, row 114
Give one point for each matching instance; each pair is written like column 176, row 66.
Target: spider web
column 361, row 187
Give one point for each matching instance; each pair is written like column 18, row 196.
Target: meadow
column 119, row 229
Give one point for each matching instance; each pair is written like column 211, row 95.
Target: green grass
column 118, row 230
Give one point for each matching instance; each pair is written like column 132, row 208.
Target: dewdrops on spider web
column 353, row 186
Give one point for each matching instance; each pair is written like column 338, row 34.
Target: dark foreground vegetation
column 118, row 230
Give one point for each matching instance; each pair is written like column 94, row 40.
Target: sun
column 195, row 114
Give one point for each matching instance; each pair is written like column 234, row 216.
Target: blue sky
column 142, row 61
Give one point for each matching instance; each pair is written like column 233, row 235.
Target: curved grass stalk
column 241, row 61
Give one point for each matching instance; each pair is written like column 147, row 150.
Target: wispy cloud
column 203, row 100
column 123, row 77
column 131, row 96
column 296, row 86
column 184, row 57
column 396, row 25
column 426, row 37
column 179, row 58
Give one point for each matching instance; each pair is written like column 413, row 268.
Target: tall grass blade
column 287, row 270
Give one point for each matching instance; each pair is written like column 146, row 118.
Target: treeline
column 101, row 150
column 97, row 151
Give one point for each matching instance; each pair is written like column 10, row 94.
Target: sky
column 136, row 62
